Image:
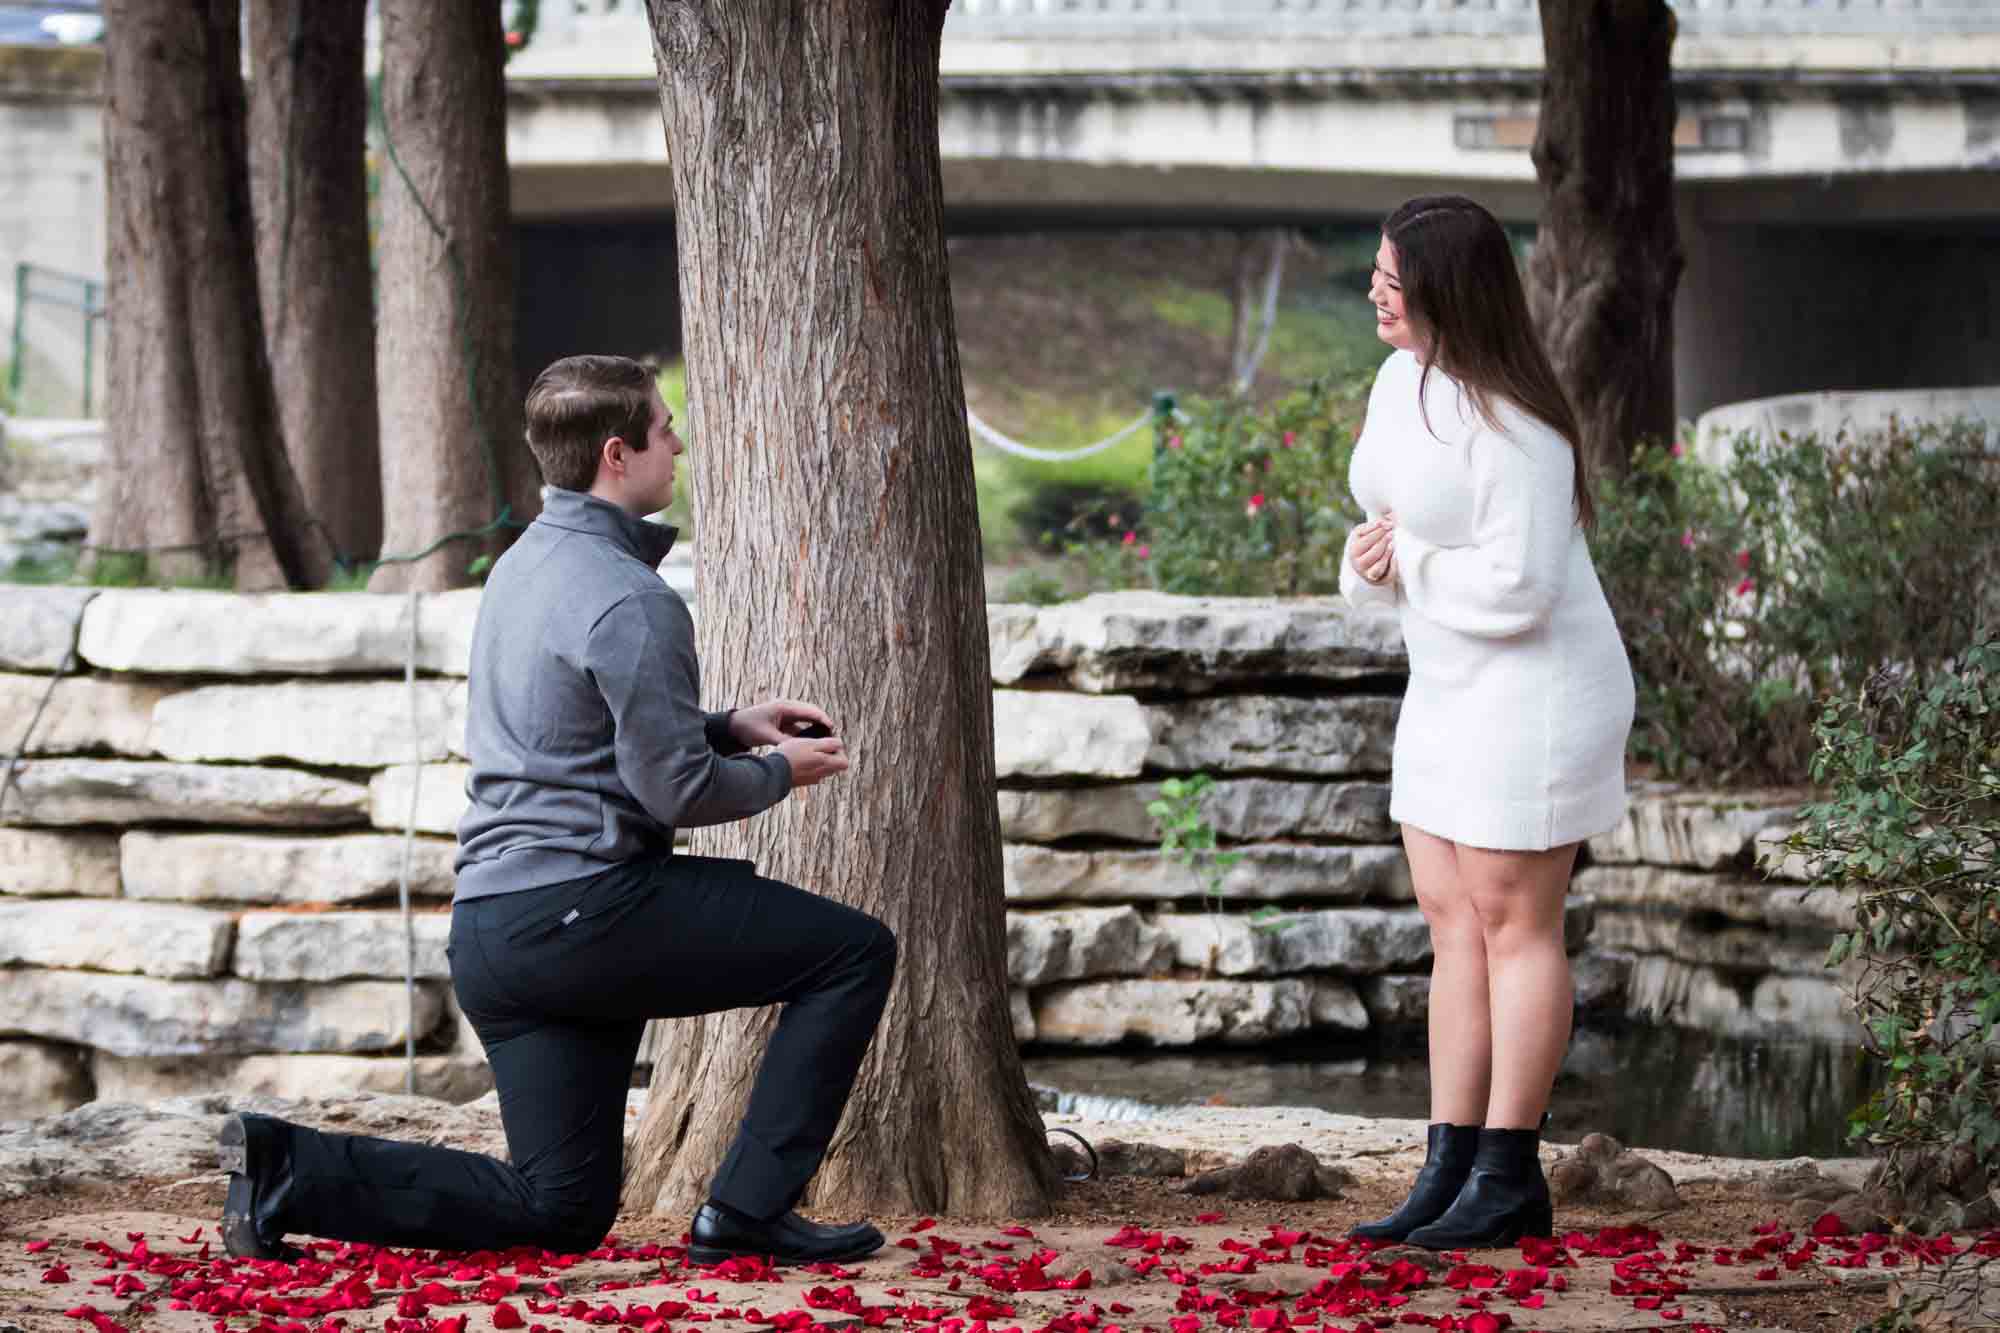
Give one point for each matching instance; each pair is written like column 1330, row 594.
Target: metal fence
column 1098, row 18
column 82, row 298
column 623, row 22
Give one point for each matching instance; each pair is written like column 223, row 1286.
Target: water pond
column 1651, row 1087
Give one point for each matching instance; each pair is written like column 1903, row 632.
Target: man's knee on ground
column 577, row 1226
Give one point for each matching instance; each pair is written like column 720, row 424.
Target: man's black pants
column 559, row 983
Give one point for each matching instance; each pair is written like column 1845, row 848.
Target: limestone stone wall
column 202, row 840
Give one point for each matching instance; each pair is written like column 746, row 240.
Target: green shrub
column 1254, row 502
column 1035, row 587
column 1055, row 510
column 1749, row 592
column 1911, row 826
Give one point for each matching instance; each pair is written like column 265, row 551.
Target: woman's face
column 1385, row 290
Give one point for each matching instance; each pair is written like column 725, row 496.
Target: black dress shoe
column 254, row 1164
column 716, row 1236
column 1505, row 1198
column 1447, row 1162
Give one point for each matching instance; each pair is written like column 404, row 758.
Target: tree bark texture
column 839, row 561
column 196, row 478
column 453, row 455
column 309, row 192
column 1608, row 254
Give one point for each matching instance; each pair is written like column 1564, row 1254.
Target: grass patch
column 672, row 379
column 1008, row 485
column 1329, row 332
column 1065, row 337
column 41, row 571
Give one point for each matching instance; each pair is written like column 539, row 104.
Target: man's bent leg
column 563, row 1103
column 562, row 1098
column 561, row 1078
column 685, row 935
column 808, row 1070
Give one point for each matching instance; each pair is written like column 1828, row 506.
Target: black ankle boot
column 1505, row 1198
column 1447, row 1162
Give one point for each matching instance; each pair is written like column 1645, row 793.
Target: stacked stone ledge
column 195, row 890
column 1712, row 923
column 201, row 851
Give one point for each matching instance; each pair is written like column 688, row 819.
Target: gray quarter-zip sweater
column 584, row 723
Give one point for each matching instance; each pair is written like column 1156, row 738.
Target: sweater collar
column 576, row 511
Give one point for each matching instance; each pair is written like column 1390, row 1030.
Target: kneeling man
column 575, row 921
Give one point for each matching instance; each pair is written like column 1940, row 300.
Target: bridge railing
column 1098, row 18
column 621, row 24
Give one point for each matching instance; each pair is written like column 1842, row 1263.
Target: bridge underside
column 1795, row 285
column 1838, row 229
column 1016, row 194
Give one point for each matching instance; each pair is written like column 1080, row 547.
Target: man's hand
column 814, row 761
column 774, row 723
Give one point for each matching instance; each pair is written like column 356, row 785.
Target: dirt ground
column 1699, row 1292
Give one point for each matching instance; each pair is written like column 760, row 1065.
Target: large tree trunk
column 196, row 480
column 1607, row 257
column 309, row 188
column 453, row 460
column 839, row 561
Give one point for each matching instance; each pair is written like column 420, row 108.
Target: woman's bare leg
column 1518, row 900
column 1461, row 1035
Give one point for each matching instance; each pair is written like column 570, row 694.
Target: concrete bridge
column 1250, row 110
column 1857, row 138
column 1838, row 160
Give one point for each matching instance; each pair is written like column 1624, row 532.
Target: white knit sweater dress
column 1512, row 735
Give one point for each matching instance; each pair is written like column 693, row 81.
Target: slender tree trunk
column 309, row 187
column 1253, row 323
column 196, row 479
column 1242, row 304
column 1608, row 255
column 839, row 561
column 453, row 459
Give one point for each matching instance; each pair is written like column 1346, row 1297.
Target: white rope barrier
column 1008, row 445
column 417, row 757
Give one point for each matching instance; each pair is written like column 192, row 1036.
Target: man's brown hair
column 576, row 405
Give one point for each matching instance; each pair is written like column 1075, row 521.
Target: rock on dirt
column 1603, row 1170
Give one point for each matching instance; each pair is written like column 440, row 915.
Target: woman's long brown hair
column 1463, row 292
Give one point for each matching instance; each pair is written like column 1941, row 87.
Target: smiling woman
column 1469, row 471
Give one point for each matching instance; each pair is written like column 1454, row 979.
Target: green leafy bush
column 1911, row 826
column 1747, row 593
column 1247, row 502
column 1053, row 511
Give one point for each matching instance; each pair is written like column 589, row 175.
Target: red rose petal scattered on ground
column 1205, row 1218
